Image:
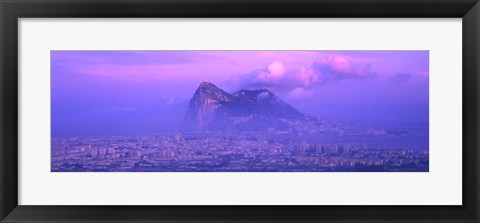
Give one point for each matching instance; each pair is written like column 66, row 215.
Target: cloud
column 400, row 78
column 339, row 67
column 300, row 83
column 306, row 77
column 263, row 95
column 274, row 77
column 276, row 69
column 299, row 92
column 272, row 73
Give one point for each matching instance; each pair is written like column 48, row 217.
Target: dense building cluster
column 228, row 152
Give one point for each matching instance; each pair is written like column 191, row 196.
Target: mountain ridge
column 211, row 108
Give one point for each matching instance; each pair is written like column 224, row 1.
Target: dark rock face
column 211, row 108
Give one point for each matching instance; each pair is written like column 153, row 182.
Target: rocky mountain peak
column 211, row 108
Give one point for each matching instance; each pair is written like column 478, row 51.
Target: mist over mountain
column 211, row 108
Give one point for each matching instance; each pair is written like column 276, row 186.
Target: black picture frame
column 12, row 10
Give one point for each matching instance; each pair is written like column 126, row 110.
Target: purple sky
column 123, row 92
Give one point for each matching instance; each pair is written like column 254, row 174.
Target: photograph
column 239, row 111
column 277, row 111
